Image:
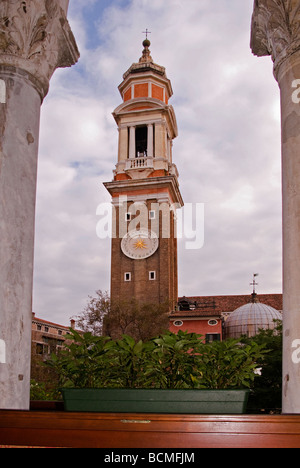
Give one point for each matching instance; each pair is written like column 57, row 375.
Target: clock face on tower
column 139, row 244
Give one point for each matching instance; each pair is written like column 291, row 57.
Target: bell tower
column 145, row 190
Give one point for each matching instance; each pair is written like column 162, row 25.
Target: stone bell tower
column 145, row 191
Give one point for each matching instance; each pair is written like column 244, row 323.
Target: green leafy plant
column 82, row 364
column 40, row 391
column 169, row 361
column 174, row 361
column 261, row 398
column 183, row 361
column 126, row 360
column 230, row 364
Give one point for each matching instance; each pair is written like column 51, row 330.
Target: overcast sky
column 227, row 153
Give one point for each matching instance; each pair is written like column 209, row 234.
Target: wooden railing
column 119, row 430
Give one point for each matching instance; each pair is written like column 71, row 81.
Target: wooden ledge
column 127, row 430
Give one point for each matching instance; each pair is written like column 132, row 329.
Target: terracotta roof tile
column 217, row 305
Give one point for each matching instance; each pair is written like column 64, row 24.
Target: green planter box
column 115, row 400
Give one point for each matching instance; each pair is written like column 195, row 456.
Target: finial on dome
column 254, row 283
column 254, row 297
column 146, row 43
column 146, row 57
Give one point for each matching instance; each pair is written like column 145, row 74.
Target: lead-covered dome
column 250, row 318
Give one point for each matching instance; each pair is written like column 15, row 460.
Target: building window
column 46, row 329
column 210, row 337
column 151, row 214
column 39, row 349
column 152, row 275
column 127, row 276
column 39, row 327
column 178, row 323
column 213, row 322
column 127, row 216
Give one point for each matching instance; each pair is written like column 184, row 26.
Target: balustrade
column 141, row 162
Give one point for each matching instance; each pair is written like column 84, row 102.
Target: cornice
column 146, row 74
column 128, row 108
column 145, row 67
column 115, row 188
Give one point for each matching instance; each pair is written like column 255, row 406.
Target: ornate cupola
column 145, row 190
column 147, row 123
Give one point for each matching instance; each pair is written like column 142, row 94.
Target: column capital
column 275, row 30
column 35, row 36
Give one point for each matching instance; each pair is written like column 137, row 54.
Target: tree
column 141, row 321
column 91, row 318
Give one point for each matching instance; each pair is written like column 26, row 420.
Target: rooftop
column 208, row 306
column 52, row 324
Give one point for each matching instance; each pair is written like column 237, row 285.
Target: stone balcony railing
column 139, row 163
column 137, row 166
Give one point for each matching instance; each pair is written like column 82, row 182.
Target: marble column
column 35, row 39
column 132, row 146
column 276, row 32
column 150, row 141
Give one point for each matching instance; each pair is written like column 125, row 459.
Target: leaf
column 127, row 340
column 138, row 347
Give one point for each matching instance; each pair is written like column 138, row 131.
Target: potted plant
column 172, row 373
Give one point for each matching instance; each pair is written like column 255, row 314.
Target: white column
column 132, row 142
column 18, row 173
column 150, row 141
column 123, row 144
column 290, row 117
column 24, row 84
column 281, row 39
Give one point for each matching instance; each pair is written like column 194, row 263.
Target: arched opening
column 141, row 141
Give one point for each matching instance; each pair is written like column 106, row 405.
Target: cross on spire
column 146, row 32
column 254, row 283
